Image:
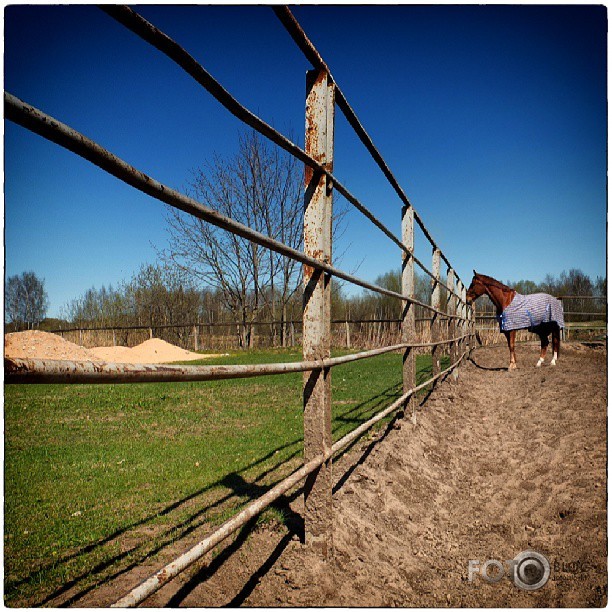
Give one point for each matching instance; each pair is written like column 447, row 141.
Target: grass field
column 101, row 477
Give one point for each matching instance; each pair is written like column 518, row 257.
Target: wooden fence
column 345, row 333
column 450, row 326
column 585, row 318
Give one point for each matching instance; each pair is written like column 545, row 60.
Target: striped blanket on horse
column 529, row 311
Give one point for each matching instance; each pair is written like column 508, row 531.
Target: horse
column 540, row 313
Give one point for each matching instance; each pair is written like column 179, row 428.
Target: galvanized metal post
column 408, row 319
column 435, row 303
column 317, row 311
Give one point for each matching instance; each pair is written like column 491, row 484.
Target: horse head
column 476, row 288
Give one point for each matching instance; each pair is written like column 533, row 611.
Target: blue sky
column 493, row 119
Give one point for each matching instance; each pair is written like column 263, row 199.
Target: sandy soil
column 150, row 351
column 497, row 463
column 35, row 344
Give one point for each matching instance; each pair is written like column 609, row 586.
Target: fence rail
column 50, row 371
column 164, row 575
column 451, row 324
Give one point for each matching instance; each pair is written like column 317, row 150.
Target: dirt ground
column 497, row 463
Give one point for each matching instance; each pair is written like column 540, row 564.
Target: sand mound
column 42, row 345
column 150, row 351
column 35, row 344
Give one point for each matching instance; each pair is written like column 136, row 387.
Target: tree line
column 207, row 275
column 162, row 294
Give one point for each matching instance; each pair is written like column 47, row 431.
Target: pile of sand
column 150, row 351
column 42, row 345
column 35, row 344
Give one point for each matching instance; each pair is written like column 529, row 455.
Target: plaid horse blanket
column 529, row 311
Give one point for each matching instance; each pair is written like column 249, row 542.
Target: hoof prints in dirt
column 498, row 463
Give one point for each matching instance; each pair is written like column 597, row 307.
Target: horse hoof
column 553, row 363
column 539, row 364
column 511, row 367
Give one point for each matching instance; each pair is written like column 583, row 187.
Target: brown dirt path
column 498, row 463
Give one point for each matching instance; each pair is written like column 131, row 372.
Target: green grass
column 100, row 477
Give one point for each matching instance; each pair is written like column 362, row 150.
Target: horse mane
column 493, row 282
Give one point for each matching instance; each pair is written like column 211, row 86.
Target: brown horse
column 540, row 313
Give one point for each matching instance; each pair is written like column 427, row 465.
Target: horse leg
column 511, row 337
column 543, row 345
column 556, row 339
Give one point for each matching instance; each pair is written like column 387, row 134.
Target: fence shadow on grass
column 292, row 521
column 294, row 524
column 169, row 537
column 238, row 487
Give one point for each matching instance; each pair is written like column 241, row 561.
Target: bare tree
column 25, row 300
column 261, row 187
column 161, row 295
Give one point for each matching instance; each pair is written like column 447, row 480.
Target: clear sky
column 493, row 119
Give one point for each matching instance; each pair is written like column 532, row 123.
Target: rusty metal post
column 472, row 328
column 435, row 303
column 459, row 312
column 408, row 319
column 464, row 314
column 317, row 311
column 452, row 310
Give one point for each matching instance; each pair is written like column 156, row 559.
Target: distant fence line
column 346, row 332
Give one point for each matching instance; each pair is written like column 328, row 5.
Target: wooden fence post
column 317, row 312
column 408, row 323
column 435, row 303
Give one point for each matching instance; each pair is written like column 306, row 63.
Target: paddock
column 497, row 463
column 387, row 525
